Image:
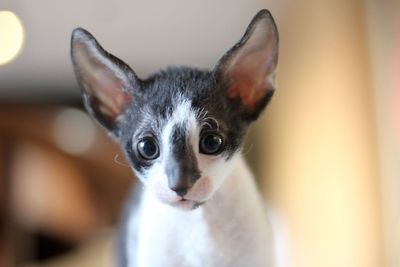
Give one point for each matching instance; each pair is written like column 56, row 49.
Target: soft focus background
column 326, row 152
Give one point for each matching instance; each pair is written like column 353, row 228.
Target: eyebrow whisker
column 116, row 160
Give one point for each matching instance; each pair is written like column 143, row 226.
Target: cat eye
column 148, row 149
column 210, row 143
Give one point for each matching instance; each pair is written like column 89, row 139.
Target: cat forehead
column 174, row 91
column 166, row 88
column 179, row 111
column 181, row 77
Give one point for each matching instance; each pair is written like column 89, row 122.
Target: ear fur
column 248, row 68
column 106, row 81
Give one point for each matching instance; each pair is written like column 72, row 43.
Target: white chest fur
column 230, row 230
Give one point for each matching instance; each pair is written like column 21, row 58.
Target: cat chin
column 186, row 204
column 201, row 191
column 166, row 197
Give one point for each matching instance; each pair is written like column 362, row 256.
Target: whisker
column 120, row 162
column 247, row 150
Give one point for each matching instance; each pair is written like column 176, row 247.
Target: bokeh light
column 73, row 131
column 11, row 36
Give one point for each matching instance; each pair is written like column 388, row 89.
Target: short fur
column 196, row 208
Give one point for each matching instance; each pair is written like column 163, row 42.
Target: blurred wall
column 321, row 152
column 384, row 43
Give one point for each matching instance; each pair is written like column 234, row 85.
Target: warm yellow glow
column 321, row 161
column 11, row 36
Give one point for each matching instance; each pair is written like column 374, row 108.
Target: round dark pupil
column 148, row 147
column 212, row 143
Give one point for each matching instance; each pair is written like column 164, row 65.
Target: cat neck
column 238, row 194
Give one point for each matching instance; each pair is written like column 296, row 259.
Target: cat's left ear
column 248, row 68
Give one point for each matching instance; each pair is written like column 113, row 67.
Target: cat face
column 181, row 128
column 181, row 140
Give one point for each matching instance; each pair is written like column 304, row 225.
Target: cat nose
column 181, row 191
column 180, row 185
column 182, row 173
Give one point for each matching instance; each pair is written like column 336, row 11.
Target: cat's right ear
column 107, row 83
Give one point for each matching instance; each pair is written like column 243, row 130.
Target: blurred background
column 326, row 152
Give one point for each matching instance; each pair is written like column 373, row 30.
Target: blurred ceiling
column 148, row 35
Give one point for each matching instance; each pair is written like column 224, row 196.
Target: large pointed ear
column 107, row 83
column 248, row 68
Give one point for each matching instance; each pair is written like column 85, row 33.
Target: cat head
column 181, row 128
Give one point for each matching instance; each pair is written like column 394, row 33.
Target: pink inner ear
column 116, row 105
column 249, row 80
column 111, row 98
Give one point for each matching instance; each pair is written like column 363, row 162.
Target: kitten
column 182, row 131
